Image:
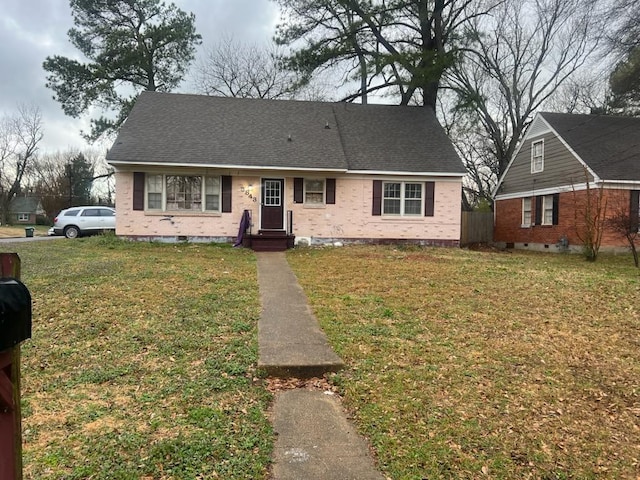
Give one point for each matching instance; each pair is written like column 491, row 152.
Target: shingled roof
column 609, row 145
column 196, row 130
column 26, row 205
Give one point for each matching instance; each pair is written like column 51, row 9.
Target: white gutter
column 295, row 169
column 227, row 167
column 420, row 174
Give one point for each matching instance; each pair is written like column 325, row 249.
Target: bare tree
column 584, row 92
column 625, row 220
column 20, row 136
column 234, row 69
column 624, row 17
column 590, row 217
column 516, row 58
column 73, row 177
column 480, row 180
column 49, row 182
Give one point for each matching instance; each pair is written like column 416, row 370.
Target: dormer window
column 537, row 156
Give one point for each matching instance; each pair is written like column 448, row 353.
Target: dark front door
column 272, row 204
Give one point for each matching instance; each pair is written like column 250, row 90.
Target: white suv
column 77, row 221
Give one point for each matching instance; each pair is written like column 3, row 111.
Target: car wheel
column 71, row 232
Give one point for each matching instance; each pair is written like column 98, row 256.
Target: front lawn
column 465, row 364
column 460, row 364
column 17, row 231
column 142, row 362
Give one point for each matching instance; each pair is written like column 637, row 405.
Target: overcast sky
column 31, row 30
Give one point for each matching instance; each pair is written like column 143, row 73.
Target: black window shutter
column 377, row 198
column 538, row 210
column 298, row 190
column 556, row 202
column 429, row 199
column 331, row 191
column 226, row 193
column 634, row 210
column 138, row 190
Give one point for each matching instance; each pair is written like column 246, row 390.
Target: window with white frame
column 402, row 198
column 537, row 156
column 183, row 193
column 272, row 194
column 526, row 212
column 23, row 217
column 212, row 194
column 547, row 210
column 314, row 191
column 154, row 192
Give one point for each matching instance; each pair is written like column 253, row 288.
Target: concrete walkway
column 291, row 343
column 314, row 438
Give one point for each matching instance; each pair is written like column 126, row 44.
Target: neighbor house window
column 537, row 156
column 314, row 191
column 634, row 210
column 547, row 210
column 23, row 217
column 526, row 212
column 183, row 193
column 402, row 198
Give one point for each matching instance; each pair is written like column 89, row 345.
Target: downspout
column 534, row 204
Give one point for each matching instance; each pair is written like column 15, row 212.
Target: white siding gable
column 538, row 127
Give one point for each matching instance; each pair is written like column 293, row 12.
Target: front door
column 272, row 204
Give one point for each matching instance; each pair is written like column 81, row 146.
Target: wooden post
column 10, row 414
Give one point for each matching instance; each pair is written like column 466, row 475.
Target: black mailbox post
column 15, row 327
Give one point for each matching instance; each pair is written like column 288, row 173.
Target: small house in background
column 541, row 200
column 192, row 167
column 26, row 210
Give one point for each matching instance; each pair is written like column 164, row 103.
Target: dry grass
column 16, row 231
column 142, row 362
column 460, row 364
column 485, row 365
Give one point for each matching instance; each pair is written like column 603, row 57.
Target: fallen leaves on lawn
column 468, row 363
column 274, row 384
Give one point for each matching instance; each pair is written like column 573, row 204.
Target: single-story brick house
column 541, row 198
column 189, row 166
column 25, row 210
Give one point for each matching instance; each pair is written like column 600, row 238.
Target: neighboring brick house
column 189, row 166
column 25, row 210
column 541, row 198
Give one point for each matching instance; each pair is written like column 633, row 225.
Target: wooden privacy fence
column 477, row 227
